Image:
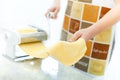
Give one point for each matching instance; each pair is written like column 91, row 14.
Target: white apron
column 113, row 69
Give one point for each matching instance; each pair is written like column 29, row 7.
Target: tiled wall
column 81, row 14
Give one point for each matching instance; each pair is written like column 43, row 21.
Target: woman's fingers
column 52, row 13
column 75, row 37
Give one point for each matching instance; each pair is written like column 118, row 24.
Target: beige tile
column 69, row 36
column 85, row 25
column 83, row 64
column 64, row 35
column 76, row 10
column 88, row 1
column 69, row 7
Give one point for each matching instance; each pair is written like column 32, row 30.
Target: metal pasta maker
column 14, row 37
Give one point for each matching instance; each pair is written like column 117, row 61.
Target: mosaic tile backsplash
column 82, row 14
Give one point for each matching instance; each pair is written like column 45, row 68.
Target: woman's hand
column 54, row 9
column 83, row 33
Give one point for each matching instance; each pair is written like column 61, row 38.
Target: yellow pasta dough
column 68, row 53
column 33, row 49
column 26, row 30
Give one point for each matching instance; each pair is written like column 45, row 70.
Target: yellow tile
column 66, row 23
column 89, row 47
column 90, row 13
column 97, row 67
column 104, row 36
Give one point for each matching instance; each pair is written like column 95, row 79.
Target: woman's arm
column 106, row 21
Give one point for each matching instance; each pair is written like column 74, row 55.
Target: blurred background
column 21, row 13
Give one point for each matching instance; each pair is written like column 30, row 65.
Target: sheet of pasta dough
column 32, row 48
column 68, row 53
column 65, row 52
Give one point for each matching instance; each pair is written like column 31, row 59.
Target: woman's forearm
column 109, row 19
column 106, row 21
